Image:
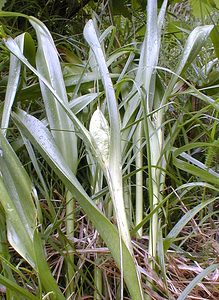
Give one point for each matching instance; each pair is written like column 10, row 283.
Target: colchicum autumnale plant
column 129, row 134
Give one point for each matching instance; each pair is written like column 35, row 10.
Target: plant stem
column 139, row 178
column 70, row 203
column 98, row 283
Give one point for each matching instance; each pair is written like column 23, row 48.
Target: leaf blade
column 43, row 141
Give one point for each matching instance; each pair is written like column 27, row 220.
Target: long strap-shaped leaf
column 18, row 235
column 194, row 166
column 26, row 44
column 13, row 80
column 16, row 198
column 194, row 43
column 50, row 75
column 130, row 275
column 62, row 128
column 146, row 77
column 17, row 289
column 114, row 167
column 41, row 138
column 48, row 65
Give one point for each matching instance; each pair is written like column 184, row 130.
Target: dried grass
column 200, row 250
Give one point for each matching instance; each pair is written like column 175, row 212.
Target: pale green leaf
column 41, row 138
column 16, row 196
column 13, row 81
column 194, row 43
column 113, row 172
column 99, row 130
column 48, row 66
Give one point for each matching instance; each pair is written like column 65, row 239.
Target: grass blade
column 17, row 289
column 194, row 166
column 183, row 221
column 48, row 282
column 185, row 293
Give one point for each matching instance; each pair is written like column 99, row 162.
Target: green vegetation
column 109, row 150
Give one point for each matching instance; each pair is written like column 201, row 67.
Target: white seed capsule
column 99, row 130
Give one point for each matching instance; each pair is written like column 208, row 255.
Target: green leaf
column 16, row 192
column 172, row 27
column 194, row 44
column 119, row 8
column 29, row 48
column 13, row 81
column 26, row 46
column 41, row 138
column 200, row 8
column 114, row 170
column 12, row 14
column 183, row 221
column 17, row 201
column 19, row 237
column 48, row 282
column 4, row 253
column 79, row 103
column 215, row 39
column 86, row 78
column 216, row 3
column 185, row 293
column 17, row 289
column 193, row 166
column 48, row 66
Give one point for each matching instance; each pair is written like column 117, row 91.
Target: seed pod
column 99, row 130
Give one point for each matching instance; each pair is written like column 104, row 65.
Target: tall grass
column 124, row 121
